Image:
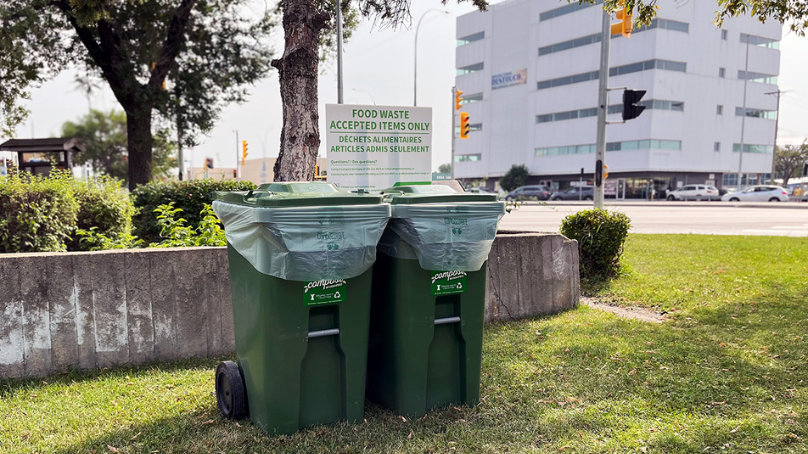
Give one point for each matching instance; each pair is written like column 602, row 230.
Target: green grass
column 726, row 374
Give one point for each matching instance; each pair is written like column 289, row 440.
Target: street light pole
column 743, row 118
column 339, row 51
column 415, row 64
column 603, row 101
column 776, row 122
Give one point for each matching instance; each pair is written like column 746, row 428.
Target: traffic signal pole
column 454, row 114
column 603, row 84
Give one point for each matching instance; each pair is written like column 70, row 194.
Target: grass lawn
column 727, row 373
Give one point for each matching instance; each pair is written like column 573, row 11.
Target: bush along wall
column 189, row 196
column 44, row 214
column 601, row 235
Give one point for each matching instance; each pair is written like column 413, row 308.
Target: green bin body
column 301, row 344
column 426, row 334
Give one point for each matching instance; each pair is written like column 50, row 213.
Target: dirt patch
column 637, row 313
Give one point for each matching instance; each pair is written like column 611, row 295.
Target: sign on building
column 509, row 79
column 374, row 147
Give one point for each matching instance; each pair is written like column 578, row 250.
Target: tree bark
column 297, row 68
column 139, row 142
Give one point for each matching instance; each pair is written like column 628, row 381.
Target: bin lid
column 297, row 194
column 425, row 193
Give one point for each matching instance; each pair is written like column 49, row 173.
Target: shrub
column 516, row 177
column 189, row 196
column 601, row 236
column 104, row 209
column 176, row 233
column 37, row 214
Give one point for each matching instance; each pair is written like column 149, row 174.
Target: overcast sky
column 378, row 67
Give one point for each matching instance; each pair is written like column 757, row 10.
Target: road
column 709, row 218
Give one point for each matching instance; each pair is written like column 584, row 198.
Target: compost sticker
column 449, row 282
column 324, row 292
column 374, row 147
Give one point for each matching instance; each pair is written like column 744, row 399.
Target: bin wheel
column 230, row 394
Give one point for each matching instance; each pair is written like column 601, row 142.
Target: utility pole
column 776, row 122
column 237, row 165
column 603, row 95
column 339, row 51
column 743, row 118
column 179, row 133
column 454, row 113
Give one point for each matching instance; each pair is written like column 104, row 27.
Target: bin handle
column 323, row 333
column 252, row 191
column 447, row 320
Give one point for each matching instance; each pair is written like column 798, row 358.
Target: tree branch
column 171, row 46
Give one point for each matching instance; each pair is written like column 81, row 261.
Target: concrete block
column 109, row 309
column 191, row 323
column 163, row 311
column 36, row 315
column 12, row 339
column 83, row 281
column 139, row 307
column 63, row 298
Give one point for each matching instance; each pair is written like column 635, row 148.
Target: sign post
column 374, row 147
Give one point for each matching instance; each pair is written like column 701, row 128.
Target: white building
column 528, row 70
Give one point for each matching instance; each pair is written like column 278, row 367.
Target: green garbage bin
column 301, row 257
column 428, row 302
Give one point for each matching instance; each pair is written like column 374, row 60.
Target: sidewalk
column 665, row 203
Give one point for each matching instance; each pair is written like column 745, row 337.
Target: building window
column 566, row 9
column 656, row 104
column 722, row 72
column 470, row 39
column 750, row 148
column 569, row 115
column 666, row 24
column 724, row 34
column 629, row 145
column 719, row 110
column 756, row 113
column 468, row 99
column 571, row 44
column 616, row 71
column 717, row 146
column 760, row 41
column 467, row 157
column 730, row 179
column 470, row 69
column 757, row 77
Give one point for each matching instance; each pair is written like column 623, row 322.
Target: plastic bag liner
column 443, row 237
column 305, row 243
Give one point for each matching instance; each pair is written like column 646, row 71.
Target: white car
column 758, row 194
column 694, row 192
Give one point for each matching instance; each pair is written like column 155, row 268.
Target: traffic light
column 464, row 125
column 624, row 26
column 458, row 99
column 630, row 99
column 209, row 163
column 243, row 151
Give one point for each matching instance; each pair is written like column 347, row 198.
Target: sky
column 378, row 69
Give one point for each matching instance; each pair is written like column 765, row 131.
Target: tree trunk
column 297, row 68
column 139, row 143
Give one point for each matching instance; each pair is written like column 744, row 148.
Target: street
column 707, row 218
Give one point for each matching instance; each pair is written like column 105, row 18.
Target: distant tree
column 445, row 168
column 789, row 161
column 515, row 177
column 211, row 50
column 104, row 136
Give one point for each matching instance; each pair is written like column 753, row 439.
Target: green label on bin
column 324, row 292
column 448, row 282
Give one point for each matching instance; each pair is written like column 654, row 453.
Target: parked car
column 529, row 192
column 481, row 190
column 694, row 192
column 758, row 194
column 584, row 193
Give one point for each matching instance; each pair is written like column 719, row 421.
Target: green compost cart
column 301, row 257
column 428, row 303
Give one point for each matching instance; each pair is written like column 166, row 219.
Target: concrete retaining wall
column 87, row 310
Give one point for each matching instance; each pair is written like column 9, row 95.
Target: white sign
column 609, row 188
column 509, row 79
column 374, row 147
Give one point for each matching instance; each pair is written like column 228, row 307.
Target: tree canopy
column 210, row 50
column 789, row 161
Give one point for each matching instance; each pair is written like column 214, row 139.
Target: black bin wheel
column 230, row 393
